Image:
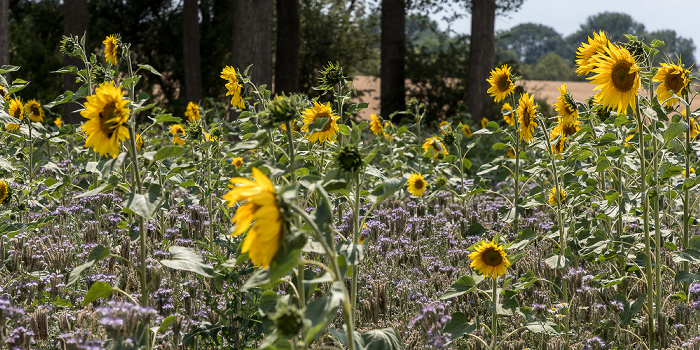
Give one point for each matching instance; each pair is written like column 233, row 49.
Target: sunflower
column 58, row 122
column 501, row 83
column 416, row 184
column 263, row 239
column 565, row 105
column 692, row 125
column 484, row 121
column 508, row 116
column 15, row 110
column 209, row 138
column 111, row 44
column 192, row 113
column 511, row 153
column 237, row 162
column 434, row 144
column 489, row 260
column 106, row 113
column 179, row 132
column 692, row 171
column 233, row 87
column 387, row 126
column 34, row 111
column 376, row 124
column 671, row 77
column 565, row 129
column 560, row 146
column 3, row 94
column 617, row 77
column 586, row 52
column 466, row 130
column 5, row 192
column 319, row 111
column 526, row 116
column 555, row 199
column 139, row 142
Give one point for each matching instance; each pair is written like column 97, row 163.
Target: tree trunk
column 393, row 58
column 75, row 22
column 287, row 55
column 190, row 44
column 252, row 39
column 4, row 32
column 481, row 57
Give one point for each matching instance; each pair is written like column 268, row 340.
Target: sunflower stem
column 355, row 238
column 686, row 193
column 494, row 317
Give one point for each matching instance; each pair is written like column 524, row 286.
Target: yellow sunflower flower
column 106, row 113
column 262, row 211
column 489, row 260
column 192, row 112
column 484, row 121
column 111, row 49
column 617, row 77
column 139, row 142
column 330, row 129
column 526, row 116
column 560, row 146
column 693, row 125
column 179, row 132
column 16, row 110
column 511, row 153
column 434, row 144
column 416, row 184
column 466, row 130
column 209, row 137
column 58, row 122
column 555, row 199
column 501, row 84
column 376, row 124
column 565, row 105
column 586, row 52
column 4, row 192
column 671, row 77
column 233, row 87
column 692, row 171
column 237, row 162
column 387, row 126
column 3, row 94
column 565, row 129
column 509, row 118
column 34, row 111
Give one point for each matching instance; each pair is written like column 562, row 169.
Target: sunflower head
column 587, row 51
column 3, row 94
column 375, row 124
column 416, row 184
column 489, row 259
column 437, row 147
column 58, row 122
column 289, row 320
column 16, row 109
column 69, row 46
column 507, row 112
column 283, row 109
column 331, row 76
column 330, row 127
column 449, row 138
column 260, row 209
column 349, row 159
column 112, row 44
column 501, row 83
column 193, row 113
column 672, row 79
column 617, row 77
column 526, row 112
column 34, row 111
column 565, row 105
column 106, row 113
column 233, row 87
column 5, row 192
column 179, row 134
column 484, row 121
column 237, row 162
column 466, row 130
column 139, row 142
column 556, row 198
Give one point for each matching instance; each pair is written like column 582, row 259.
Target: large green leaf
column 98, row 290
column 463, row 285
column 354, row 253
column 186, row 259
column 96, row 254
column 382, row 339
column 321, row 312
column 458, row 326
column 388, row 187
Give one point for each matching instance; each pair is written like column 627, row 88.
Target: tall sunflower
column 508, row 116
column 617, row 77
column 16, row 110
column 489, row 260
column 586, row 52
column 5, row 192
column 501, row 83
column 34, row 111
column 434, row 144
column 484, row 121
column 376, row 124
column 178, row 133
column 330, row 129
column 555, row 199
column 565, row 129
column 192, row 112
column 565, row 105
column 526, row 116
column 466, row 130
column 671, row 77
column 260, row 209
column 106, row 113
column 416, row 184
column 233, row 87
column 111, row 44
column 237, row 162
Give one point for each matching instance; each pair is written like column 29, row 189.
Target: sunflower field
column 286, row 222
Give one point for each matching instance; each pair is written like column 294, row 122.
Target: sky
column 566, row 16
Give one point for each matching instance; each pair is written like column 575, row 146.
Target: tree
column 393, row 57
column 75, row 23
column 675, row 47
column 252, row 39
column 288, row 41
column 614, row 24
column 531, row 41
column 550, row 67
column 4, row 32
column 191, row 49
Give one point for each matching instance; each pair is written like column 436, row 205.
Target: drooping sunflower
column 330, row 129
column 555, row 199
column 179, row 132
column 34, row 111
column 5, row 192
column 237, row 162
column 565, row 129
column 106, row 113
column 560, row 146
column 376, row 124
column 192, row 112
column 489, row 260
column 692, row 125
column 508, row 117
column 16, row 110
column 466, row 130
column 111, row 44
column 58, row 122
column 617, row 77
column 671, row 77
column 526, row 116
column 260, row 209
column 416, row 184
column 586, row 52
column 484, row 121
column 233, row 87
column 501, row 83
column 434, row 144
column 565, row 105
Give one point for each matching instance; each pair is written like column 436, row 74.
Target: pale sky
column 566, row 16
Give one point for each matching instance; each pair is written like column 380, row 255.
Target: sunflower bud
column 289, row 321
column 217, row 132
column 448, row 139
column 194, row 132
column 331, row 75
column 69, row 46
column 283, row 109
column 441, row 181
column 349, row 159
column 100, row 74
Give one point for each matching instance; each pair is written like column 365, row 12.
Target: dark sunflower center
column 17, row 113
column 419, row 184
column 35, row 110
column 108, row 120
column 569, row 129
column 492, row 257
column 675, row 82
column 622, row 78
column 503, row 83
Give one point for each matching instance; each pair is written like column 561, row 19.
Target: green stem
column 494, row 316
column 355, row 239
column 657, row 231
column 686, row 192
column 209, row 200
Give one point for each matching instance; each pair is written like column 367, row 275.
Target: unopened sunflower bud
column 349, row 159
column 289, row 321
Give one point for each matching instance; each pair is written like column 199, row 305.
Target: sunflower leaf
column 186, row 259
column 98, row 290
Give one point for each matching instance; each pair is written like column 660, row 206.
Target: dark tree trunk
column 4, row 32
column 481, row 57
column 287, row 55
column 193, row 65
column 252, row 39
column 75, row 22
column 393, row 58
